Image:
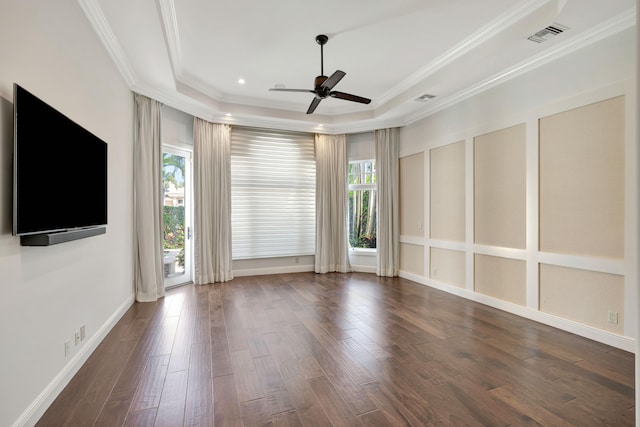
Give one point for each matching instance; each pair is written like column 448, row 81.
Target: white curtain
column 332, row 204
column 147, row 172
column 387, row 143
column 212, row 202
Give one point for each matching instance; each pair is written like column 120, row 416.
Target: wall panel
column 500, row 188
column 412, row 195
column 447, row 266
column 501, row 278
column 412, row 258
column 447, row 192
column 583, row 296
column 582, row 180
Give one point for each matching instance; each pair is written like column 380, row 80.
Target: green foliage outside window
column 174, row 230
column 362, row 204
column 173, row 169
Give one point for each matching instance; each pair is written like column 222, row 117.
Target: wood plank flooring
column 340, row 350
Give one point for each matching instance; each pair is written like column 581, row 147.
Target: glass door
column 176, row 176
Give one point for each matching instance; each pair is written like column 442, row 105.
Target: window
column 362, row 204
column 273, row 193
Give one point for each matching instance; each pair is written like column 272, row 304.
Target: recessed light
column 241, row 81
column 228, row 114
column 320, row 125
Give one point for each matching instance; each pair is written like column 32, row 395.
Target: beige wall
column 447, row 192
column 501, row 278
column 583, row 296
column 500, row 188
column 412, row 195
column 582, row 180
column 412, row 258
column 447, row 266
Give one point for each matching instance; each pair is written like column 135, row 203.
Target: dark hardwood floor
column 342, row 350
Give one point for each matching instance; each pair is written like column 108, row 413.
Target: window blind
column 273, row 186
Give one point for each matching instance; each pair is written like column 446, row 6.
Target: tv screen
column 60, row 170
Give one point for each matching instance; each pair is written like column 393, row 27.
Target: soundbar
column 48, row 239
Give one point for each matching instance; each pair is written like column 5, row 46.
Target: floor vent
column 547, row 33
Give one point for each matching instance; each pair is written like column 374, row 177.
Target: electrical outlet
column 82, row 333
column 296, row 260
column 77, row 336
column 66, row 348
column 420, row 225
column 613, row 317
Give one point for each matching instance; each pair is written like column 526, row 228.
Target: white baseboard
column 363, row 269
column 39, row 406
column 599, row 335
column 295, row 269
column 273, row 270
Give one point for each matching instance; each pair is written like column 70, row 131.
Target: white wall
column 602, row 70
column 47, row 293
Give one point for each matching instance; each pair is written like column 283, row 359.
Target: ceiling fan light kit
column 323, row 85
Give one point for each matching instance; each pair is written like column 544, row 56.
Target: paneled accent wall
column 412, row 194
column 530, row 216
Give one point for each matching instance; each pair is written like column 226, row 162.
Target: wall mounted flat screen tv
column 60, row 170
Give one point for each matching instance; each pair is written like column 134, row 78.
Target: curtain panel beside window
column 387, row 143
column 332, row 204
column 148, row 225
column 212, row 202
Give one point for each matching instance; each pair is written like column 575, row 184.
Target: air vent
column 425, row 97
column 547, row 33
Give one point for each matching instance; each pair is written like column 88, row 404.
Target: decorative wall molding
column 614, row 340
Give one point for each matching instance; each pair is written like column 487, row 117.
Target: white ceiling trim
column 172, row 36
column 600, row 32
column 462, row 48
column 210, row 109
column 170, row 28
column 94, row 14
column 172, row 39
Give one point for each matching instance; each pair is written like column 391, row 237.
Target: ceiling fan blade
column 277, row 89
column 333, row 80
column 314, row 105
column 349, row 97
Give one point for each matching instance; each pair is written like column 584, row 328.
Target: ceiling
column 190, row 54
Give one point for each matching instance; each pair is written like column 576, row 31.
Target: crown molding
column 606, row 29
column 96, row 18
column 167, row 9
column 479, row 37
column 212, row 109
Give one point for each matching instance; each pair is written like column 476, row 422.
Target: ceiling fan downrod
column 322, row 40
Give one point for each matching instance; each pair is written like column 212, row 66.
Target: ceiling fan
column 324, row 84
